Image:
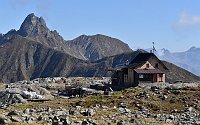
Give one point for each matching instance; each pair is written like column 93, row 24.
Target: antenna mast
column 153, row 49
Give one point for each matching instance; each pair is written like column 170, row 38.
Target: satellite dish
column 127, row 62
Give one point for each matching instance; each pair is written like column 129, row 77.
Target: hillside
column 176, row 73
column 22, row 58
column 99, row 46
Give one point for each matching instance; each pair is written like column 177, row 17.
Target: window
column 156, row 66
column 161, row 77
column 147, row 65
column 145, row 77
column 141, row 76
column 125, row 78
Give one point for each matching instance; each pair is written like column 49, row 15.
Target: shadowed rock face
column 21, row 58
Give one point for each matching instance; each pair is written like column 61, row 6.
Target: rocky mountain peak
column 193, row 48
column 33, row 25
column 98, row 46
column 7, row 36
column 12, row 31
column 165, row 51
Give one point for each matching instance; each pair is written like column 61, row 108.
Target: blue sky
column 171, row 24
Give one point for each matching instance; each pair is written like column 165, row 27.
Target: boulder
column 20, row 99
column 123, row 105
column 3, row 120
column 31, row 95
column 155, row 88
column 16, row 119
column 85, row 122
column 15, row 112
column 88, row 112
column 65, row 121
column 121, row 123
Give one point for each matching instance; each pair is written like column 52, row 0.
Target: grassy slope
column 127, row 96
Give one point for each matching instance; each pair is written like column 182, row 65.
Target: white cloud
column 186, row 19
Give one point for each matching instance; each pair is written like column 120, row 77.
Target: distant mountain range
column 188, row 60
column 35, row 51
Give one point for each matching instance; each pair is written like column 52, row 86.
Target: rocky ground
column 163, row 104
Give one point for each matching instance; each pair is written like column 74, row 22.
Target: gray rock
column 172, row 117
column 190, row 109
column 121, row 123
column 31, row 119
column 121, row 110
column 26, row 111
column 15, row 112
column 40, row 118
column 19, row 99
column 13, row 91
column 85, row 122
column 127, row 110
column 65, row 121
column 72, row 112
column 16, row 119
column 124, row 110
column 49, row 109
column 3, row 120
column 90, row 112
column 59, row 113
column 155, row 88
column 163, row 97
column 56, row 118
column 143, row 109
column 91, row 121
column 123, row 105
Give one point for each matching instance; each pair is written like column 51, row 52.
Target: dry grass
column 128, row 96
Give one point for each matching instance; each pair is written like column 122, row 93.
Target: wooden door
column 154, row 77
